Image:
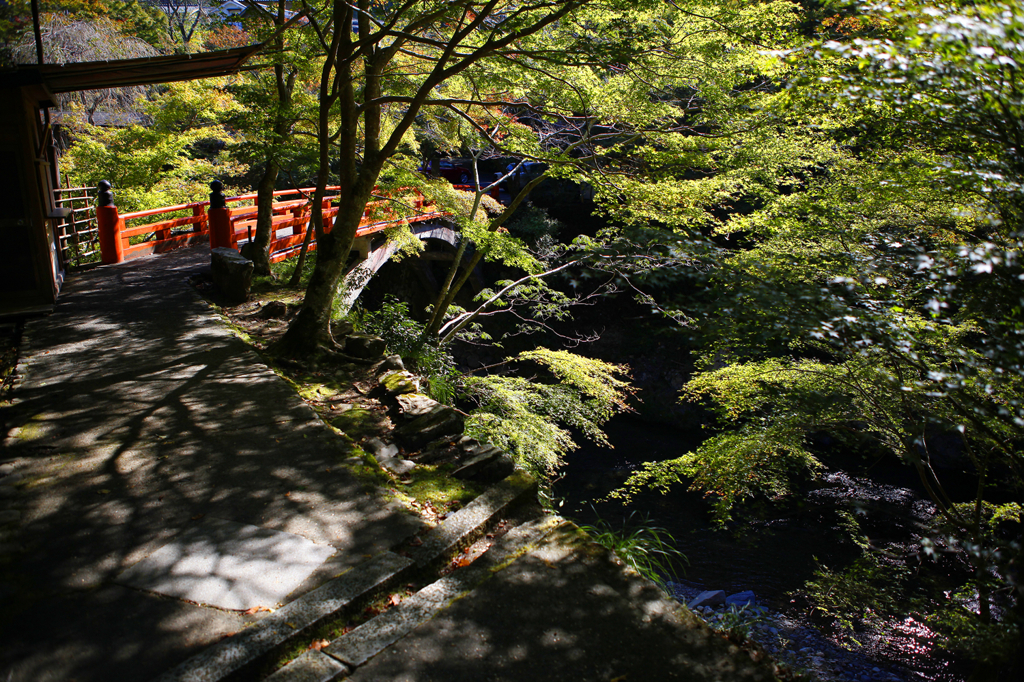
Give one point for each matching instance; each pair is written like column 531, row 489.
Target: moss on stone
column 398, row 383
column 434, row 484
column 358, row 422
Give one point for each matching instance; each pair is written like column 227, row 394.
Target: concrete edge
column 253, row 645
column 469, row 523
column 369, row 639
column 250, row 648
column 312, row 666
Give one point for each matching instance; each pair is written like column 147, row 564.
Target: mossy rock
column 434, row 484
column 398, row 383
column 359, row 422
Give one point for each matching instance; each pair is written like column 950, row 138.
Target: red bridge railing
column 123, row 237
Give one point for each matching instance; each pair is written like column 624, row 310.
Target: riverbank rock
column 740, row 599
column 422, row 420
column 381, row 450
column 364, row 346
column 707, row 598
column 393, row 362
column 274, row 310
column 398, row 383
column 490, row 464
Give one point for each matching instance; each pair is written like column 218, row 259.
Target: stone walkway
column 140, row 421
column 159, row 482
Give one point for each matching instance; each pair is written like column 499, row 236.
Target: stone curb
column 467, row 525
column 251, row 648
column 366, row 641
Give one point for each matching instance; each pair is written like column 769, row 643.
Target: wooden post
column 219, row 218
column 199, row 226
column 326, row 213
column 109, row 225
column 297, row 214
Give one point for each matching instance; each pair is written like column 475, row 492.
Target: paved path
column 154, row 466
column 140, row 418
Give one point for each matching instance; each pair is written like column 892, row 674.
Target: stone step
column 356, row 647
column 255, row 647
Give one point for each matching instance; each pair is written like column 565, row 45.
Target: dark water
column 772, row 556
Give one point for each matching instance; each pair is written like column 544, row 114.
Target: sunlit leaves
column 530, row 418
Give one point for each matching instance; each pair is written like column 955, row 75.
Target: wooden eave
column 122, row 73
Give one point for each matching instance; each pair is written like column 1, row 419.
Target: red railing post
column 109, row 226
column 199, row 225
column 222, row 233
column 327, row 215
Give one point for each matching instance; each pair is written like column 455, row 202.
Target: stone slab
column 228, row 565
column 311, row 666
column 366, row 641
column 298, row 619
column 565, row 610
column 467, row 524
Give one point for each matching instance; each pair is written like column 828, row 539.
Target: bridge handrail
column 163, row 209
column 235, row 222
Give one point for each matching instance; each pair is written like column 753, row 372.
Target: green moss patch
column 358, row 422
column 432, row 491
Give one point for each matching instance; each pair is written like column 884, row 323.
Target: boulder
column 488, row 467
column 364, row 346
column 393, row 362
column 424, row 422
column 439, row 451
column 382, row 450
column 232, row 273
column 413, row 405
column 341, row 328
column 707, row 598
column 274, row 310
column 399, row 383
column 397, row 466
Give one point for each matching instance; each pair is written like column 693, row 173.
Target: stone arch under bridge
column 375, row 250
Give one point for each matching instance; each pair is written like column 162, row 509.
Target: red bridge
column 123, row 237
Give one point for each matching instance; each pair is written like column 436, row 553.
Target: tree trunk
column 259, row 250
column 309, row 329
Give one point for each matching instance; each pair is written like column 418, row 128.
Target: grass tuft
column 648, row 549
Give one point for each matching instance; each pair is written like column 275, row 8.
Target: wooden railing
column 76, row 227
column 232, row 221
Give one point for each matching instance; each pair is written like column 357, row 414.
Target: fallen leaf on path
column 198, row 516
column 257, row 609
column 318, row 644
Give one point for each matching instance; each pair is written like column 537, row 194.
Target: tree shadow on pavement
column 138, row 416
